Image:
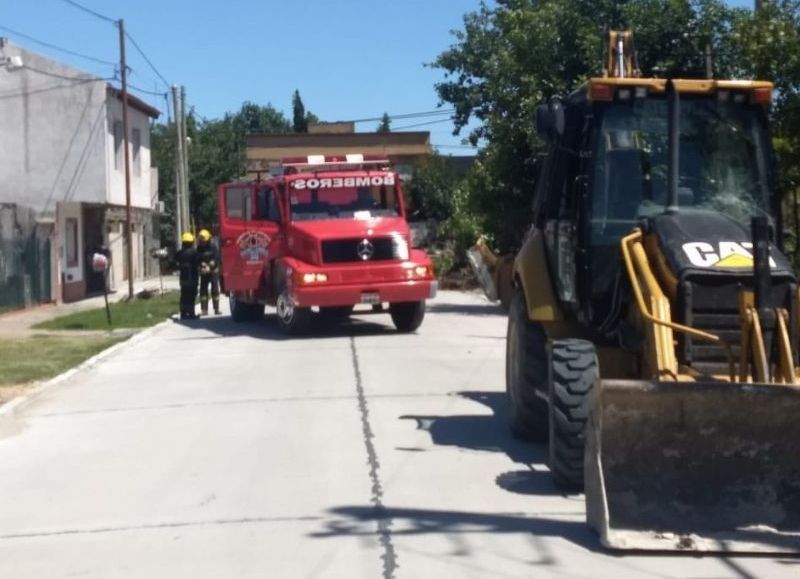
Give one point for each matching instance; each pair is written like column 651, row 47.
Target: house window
column 71, row 242
column 118, row 145
column 136, row 137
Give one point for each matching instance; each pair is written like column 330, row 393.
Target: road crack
column 382, row 517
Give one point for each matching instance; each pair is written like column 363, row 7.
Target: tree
column 512, row 55
column 299, row 120
column 216, row 155
column 385, row 125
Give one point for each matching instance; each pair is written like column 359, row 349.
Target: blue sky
column 350, row 59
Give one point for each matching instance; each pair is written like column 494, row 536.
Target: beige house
column 404, row 149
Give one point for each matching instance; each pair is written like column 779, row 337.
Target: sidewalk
column 20, row 323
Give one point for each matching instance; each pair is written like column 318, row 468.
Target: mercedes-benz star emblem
column 365, row 249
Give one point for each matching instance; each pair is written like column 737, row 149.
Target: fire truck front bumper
column 327, row 295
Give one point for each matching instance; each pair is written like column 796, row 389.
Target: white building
column 62, row 151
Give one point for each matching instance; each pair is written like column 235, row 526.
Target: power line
column 147, row 60
column 145, row 91
column 80, row 6
column 55, row 47
column 60, row 76
column 51, row 88
column 456, row 147
column 434, row 113
column 447, row 120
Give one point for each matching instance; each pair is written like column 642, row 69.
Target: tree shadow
column 487, row 309
column 354, row 520
column 490, row 433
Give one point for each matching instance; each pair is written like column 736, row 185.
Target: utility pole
column 127, row 156
column 179, row 216
column 187, row 212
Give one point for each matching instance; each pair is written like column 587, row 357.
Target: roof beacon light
column 319, row 162
column 761, row 96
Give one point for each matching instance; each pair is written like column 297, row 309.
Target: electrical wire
column 146, row 59
column 435, row 113
column 145, row 91
column 59, row 76
column 80, row 6
column 447, row 120
column 51, row 88
column 56, row 47
column 470, row 147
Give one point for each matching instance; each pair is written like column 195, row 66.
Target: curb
column 13, row 406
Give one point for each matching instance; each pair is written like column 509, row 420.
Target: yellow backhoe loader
column 653, row 321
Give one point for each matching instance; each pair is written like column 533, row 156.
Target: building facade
column 62, row 146
column 403, row 149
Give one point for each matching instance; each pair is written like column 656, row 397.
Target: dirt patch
column 8, row 393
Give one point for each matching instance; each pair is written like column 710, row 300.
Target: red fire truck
column 328, row 233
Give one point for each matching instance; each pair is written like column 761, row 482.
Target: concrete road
column 215, row 450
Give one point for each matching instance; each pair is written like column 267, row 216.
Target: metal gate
column 25, row 253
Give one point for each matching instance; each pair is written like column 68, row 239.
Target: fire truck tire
column 407, row 316
column 239, row 310
column 291, row 319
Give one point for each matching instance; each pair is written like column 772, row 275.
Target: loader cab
column 606, row 172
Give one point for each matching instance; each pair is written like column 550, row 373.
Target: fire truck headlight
column 314, row 278
column 421, row 271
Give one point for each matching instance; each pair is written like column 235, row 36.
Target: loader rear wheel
column 526, row 373
column 573, row 372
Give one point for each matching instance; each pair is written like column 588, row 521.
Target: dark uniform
column 188, row 264
column 208, row 258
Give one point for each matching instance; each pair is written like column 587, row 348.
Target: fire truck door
column 249, row 231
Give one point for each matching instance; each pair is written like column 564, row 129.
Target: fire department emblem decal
column 253, row 246
column 365, row 249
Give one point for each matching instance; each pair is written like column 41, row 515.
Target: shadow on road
column 267, row 328
column 486, row 309
column 359, row 520
column 480, row 432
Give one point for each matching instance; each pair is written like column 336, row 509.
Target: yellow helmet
column 204, row 235
column 187, row 237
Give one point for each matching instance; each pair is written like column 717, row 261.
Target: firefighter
column 208, row 256
column 188, row 264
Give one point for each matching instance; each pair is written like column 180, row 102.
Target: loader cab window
column 723, row 155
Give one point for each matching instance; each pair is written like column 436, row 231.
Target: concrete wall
column 142, row 194
column 52, row 122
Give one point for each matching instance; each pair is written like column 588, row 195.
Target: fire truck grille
column 356, row 250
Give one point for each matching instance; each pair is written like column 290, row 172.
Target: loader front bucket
column 694, row 466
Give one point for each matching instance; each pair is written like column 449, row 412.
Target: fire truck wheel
column 239, row 310
column 291, row 319
column 407, row 316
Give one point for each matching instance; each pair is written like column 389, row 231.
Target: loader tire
column 573, row 372
column 526, row 373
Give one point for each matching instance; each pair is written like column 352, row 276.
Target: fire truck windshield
column 307, row 203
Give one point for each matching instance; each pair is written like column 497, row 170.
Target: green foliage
column 299, row 120
column 385, row 126
column 138, row 313
column 24, row 360
column 511, row 55
column 431, row 189
column 216, row 155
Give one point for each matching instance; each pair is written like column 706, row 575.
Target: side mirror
column 550, row 120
